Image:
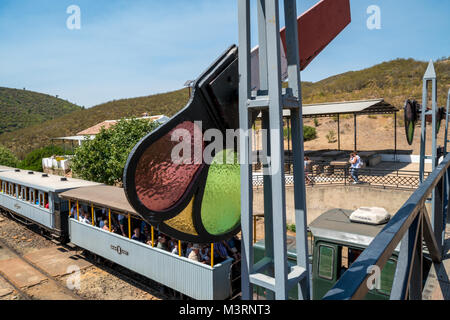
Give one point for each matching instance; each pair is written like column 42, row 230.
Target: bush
column 7, row 158
column 33, row 161
column 331, row 136
column 309, row 133
column 316, row 122
column 103, row 159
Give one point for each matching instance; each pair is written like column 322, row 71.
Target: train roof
column 4, row 168
column 103, row 196
column 44, row 182
column 335, row 225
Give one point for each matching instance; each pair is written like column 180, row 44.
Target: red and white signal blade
column 317, row 27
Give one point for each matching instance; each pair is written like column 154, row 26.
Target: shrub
column 103, row 159
column 309, row 133
column 331, row 136
column 7, row 158
column 33, row 161
column 316, row 122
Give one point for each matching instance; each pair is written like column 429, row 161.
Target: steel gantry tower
column 272, row 273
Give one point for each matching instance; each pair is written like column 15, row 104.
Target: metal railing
column 399, row 179
column 410, row 227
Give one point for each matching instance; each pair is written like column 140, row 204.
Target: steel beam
column 245, row 146
column 292, row 40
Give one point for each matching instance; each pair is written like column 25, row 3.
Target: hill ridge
column 394, row 81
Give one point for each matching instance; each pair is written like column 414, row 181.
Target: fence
column 327, row 175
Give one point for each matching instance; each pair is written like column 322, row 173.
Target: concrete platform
column 21, row 273
column 57, row 261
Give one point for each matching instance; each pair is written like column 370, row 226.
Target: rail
column 399, row 179
column 410, row 227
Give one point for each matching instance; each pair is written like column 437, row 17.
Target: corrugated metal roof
column 102, row 196
column 346, row 107
column 49, row 183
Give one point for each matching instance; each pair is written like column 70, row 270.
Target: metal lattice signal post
column 272, row 273
column 447, row 178
column 438, row 193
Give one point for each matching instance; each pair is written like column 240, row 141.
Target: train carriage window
column 4, row 186
column 32, row 196
column 46, row 203
column 23, row 193
column 326, row 262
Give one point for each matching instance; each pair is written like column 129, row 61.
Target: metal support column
column 447, row 177
column 290, row 8
column 245, row 148
column 339, row 132
column 395, row 136
column 437, row 216
column 272, row 272
column 356, row 145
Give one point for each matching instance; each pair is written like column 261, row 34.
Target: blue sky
column 140, row 47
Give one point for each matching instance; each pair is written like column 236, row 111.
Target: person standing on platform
column 355, row 165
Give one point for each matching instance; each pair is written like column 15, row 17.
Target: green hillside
column 395, row 81
column 25, row 140
column 21, row 108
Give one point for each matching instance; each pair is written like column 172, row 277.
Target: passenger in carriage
column 105, row 225
column 122, row 225
column 84, row 217
column 220, row 252
column 147, row 235
column 171, row 244
column 138, row 236
column 205, row 255
column 162, row 243
column 73, row 211
column 231, row 249
column 188, row 250
column 195, row 255
column 175, row 249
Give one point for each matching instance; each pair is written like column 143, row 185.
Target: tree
column 33, row 160
column 7, row 158
column 103, row 159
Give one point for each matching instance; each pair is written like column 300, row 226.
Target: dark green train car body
column 334, row 245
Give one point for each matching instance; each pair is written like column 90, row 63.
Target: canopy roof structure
column 362, row 107
column 358, row 107
column 355, row 108
column 102, row 196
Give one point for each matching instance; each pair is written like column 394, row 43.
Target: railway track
column 43, row 279
column 128, row 276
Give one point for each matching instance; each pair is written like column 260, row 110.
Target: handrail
column 352, row 284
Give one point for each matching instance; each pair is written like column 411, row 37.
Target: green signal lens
column 221, row 206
